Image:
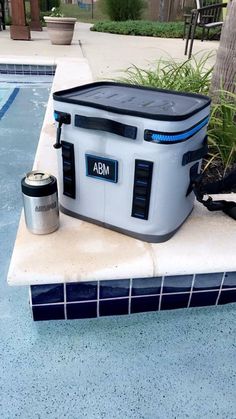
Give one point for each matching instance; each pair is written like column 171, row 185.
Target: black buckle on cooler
column 195, row 155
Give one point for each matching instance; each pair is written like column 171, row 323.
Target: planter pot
column 60, row 29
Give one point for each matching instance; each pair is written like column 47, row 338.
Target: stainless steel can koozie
column 40, row 199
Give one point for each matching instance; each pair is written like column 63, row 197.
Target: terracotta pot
column 60, row 29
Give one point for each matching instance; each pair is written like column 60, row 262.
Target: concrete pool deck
column 105, row 53
column 164, row 365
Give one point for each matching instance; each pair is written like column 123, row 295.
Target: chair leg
column 187, row 41
column 203, row 34
column 186, row 23
column 192, row 35
column 188, row 35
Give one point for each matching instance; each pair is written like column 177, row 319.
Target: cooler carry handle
column 108, row 125
column 191, row 156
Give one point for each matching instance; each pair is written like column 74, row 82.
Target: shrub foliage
column 192, row 76
column 222, row 128
column 144, row 28
column 122, row 10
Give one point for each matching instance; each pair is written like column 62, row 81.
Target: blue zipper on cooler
column 175, row 138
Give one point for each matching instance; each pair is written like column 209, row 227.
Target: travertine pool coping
column 80, row 251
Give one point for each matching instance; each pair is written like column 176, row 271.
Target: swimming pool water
column 4, row 94
column 20, row 126
column 7, row 96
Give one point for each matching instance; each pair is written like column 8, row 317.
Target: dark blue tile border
column 146, row 286
column 48, row 312
column 201, row 299
column 28, row 69
column 227, row 297
column 144, row 304
column 177, row 283
column 114, row 307
column 229, row 280
column 81, row 310
column 114, row 288
column 82, row 291
column 44, row 294
column 117, row 297
column 207, row 281
column 171, row 301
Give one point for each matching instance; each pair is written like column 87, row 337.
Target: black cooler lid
column 135, row 100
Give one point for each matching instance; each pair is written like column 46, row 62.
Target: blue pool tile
column 146, row 286
column 229, row 280
column 207, row 281
column 16, row 67
column 82, row 291
column 26, row 67
column 114, row 307
column 44, row 69
column 81, row 310
column 48, row 312
column 169, row 302
column 177, row 283
column 227, row 297
column 49, row 293
column 143, row 304
column 200, row 299
column 114, row 288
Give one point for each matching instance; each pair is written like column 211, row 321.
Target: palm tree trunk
column 224, row 75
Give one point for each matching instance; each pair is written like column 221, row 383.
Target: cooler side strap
column 108, row 125
column 226, row 184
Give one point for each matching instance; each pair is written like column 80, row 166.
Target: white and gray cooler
column 127, row 156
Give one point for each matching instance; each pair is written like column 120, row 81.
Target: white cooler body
column 130, row 169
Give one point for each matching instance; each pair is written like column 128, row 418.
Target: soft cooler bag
column 128, row 155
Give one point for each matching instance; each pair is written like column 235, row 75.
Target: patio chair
column 187, row 16
column 207, row 17
column 2, row 15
